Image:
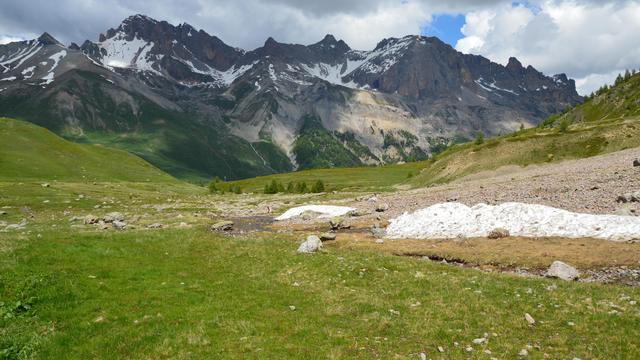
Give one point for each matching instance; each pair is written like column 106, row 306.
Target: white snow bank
column 327, row 211
column 450, row 220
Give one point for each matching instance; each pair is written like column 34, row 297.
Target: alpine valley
column 196, row 107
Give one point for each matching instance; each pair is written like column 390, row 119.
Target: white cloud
column 5, row 39
column 590, row 41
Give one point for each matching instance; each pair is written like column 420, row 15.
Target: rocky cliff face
column 195, row 106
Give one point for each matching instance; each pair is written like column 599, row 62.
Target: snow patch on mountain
column 122, row 53
column 48, row 79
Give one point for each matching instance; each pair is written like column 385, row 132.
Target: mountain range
column 197, row 107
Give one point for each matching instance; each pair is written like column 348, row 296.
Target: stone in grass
column 113, row 216
column 119, row 225
column 154, row 226
column 90, row 220
column 338, row 223
column 498, row 233
column 377, row 231
column 560, row 270
column 2, row 212
column 523, row 353
column 222, row 226
column 311, row 245
column 328, row 236
column 529, row 319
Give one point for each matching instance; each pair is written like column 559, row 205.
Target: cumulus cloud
column 590, row 41
column 244, row 23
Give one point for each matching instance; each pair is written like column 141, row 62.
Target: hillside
column 196, row 107
column 607, row 122
column 29, row 152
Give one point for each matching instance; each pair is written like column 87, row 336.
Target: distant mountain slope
column 608, row 121
column 197, row 107
column 28, row 152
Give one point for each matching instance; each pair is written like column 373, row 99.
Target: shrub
column 290, row 188
column 214, row 186
column 564, row 125
column 318, row 187
column 301, row 188
column 479, row 138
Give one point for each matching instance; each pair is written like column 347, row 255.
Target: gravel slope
column 589, row 185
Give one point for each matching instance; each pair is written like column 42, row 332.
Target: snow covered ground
column 327, row 211
column 452, row 220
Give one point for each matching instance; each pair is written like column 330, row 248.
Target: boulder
column 629, row 197
column 498, row 233
column 90, row 220
column 113, row 216
column 18, row 226
column 328, row 236
column 560, row 270
column 377, row 231
column 311, row 245
column 338, row 223
column 222, row 226
column 119, row 225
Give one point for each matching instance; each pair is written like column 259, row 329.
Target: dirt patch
column 600, row 261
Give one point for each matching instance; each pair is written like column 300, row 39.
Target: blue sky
column 446, row 27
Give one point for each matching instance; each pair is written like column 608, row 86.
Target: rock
column 45, row 185
column 629, row 197
column 119, row 225
column 562, row 271
column 523, row 353
column 636, row 162
column 311, row 245
column 154, row 226
column 625, row 210
column 222, row 226
column 357, row 213
column 113, row 216
column 2, row 212
column 440, row 349
column 377, row 232
column 529, row 319
column 498, row 233
column 328, row 236
column 338, row 223
column 382, row 207
column 184, row 225
column 19, row 226
column 308, row 215
column 423, row 356
column 90, row 220
column 479, row 341
column 379, row 241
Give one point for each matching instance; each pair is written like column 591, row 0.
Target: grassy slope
column 381, row 178
column 193, row 294
column 609, row 122
column 28, row 152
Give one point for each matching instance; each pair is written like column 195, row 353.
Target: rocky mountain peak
column 329, row 43
column 47, row 39
column 514, row 64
